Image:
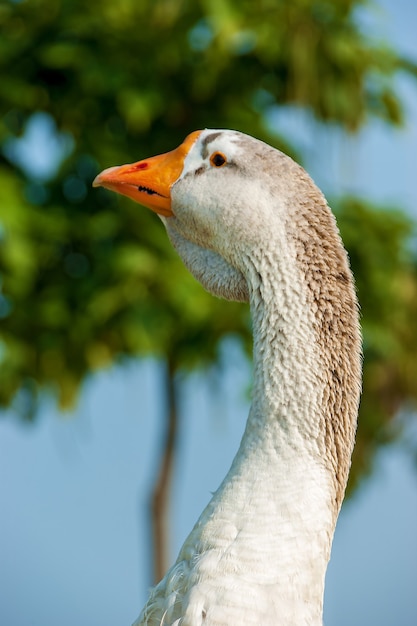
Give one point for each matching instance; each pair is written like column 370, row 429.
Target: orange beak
column 149, row 181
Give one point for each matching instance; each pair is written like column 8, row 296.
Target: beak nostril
column 143, row 165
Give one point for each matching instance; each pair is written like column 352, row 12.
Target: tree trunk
column 159, row 505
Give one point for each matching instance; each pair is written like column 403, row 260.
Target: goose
column 250, row 225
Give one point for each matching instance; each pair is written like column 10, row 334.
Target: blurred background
column 124, row 387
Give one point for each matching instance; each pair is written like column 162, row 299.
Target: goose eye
column 218, row 159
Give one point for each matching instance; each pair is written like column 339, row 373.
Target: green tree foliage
column 87, row 279
column 385, row 266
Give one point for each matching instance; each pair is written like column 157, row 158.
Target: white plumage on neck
column 263, row 542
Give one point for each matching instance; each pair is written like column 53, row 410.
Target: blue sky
column 73, row 488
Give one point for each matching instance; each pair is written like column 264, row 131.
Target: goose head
column 220, row 192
